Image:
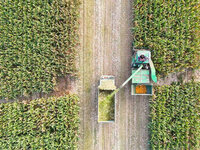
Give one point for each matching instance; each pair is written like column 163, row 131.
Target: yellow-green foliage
column 171, row 30
column 38, row 39
column 49, row 124
column 175, row 122
column 106, row 106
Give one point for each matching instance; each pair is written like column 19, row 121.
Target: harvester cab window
column 142, row 58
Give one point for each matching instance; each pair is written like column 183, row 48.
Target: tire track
column 106, row 49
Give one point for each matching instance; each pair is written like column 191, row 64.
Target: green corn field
column 174, row 112
column 171, row 30
column 38, row 43
column 51, row 123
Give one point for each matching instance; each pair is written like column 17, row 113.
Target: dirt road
column 106, row 50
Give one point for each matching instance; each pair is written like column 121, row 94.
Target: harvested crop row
column 38, row 43
column 174, row 112
column 51, row 123
column 171, row 30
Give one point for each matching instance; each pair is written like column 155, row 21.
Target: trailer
column 106, row 106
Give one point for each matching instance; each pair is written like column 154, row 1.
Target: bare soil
column 184, row 76
column 106, row 44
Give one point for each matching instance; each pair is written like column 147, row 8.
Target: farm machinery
column 143, row 74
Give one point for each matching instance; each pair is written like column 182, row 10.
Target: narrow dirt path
column 106, row 49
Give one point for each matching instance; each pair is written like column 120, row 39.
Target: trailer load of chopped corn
column 106, row 106
column 107, row 85
column 141, row 89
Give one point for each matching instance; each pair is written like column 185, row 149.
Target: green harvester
column 143, row 72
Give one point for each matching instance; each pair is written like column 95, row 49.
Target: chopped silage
column 106, row 105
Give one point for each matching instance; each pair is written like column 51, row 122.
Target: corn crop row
column 38, row 43
column 51, row 123
column 174, row 112
column 171, row 30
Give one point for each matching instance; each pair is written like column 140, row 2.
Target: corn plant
column 51, row 123
column 174, row 112
column 38, row 43
column 171, row 30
